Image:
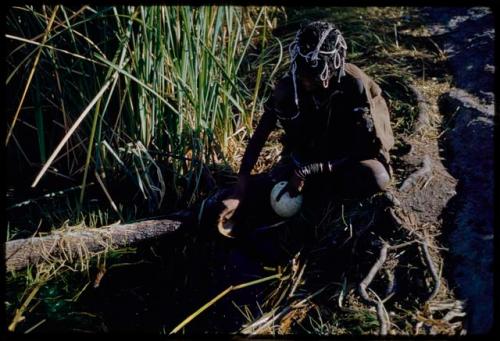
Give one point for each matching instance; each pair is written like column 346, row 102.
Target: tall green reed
column 158, row 80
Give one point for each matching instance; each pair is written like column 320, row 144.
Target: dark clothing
column 349, row 119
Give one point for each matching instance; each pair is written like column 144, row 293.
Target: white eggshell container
column 286, row 206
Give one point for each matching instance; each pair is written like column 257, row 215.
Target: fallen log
column 80, row 243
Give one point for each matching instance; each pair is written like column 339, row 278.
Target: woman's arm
column 266, row 124
column 319, row 168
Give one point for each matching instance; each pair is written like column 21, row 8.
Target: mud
column 466, row 35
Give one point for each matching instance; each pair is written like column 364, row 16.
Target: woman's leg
column 351, row 180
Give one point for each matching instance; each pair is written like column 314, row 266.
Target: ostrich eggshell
column 286, row 206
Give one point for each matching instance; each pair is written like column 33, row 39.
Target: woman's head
column 318, row 53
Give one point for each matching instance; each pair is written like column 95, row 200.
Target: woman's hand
column 233, row 200
column 293, row 187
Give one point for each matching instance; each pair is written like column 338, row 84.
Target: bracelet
column 314, row 168
column 299, row 174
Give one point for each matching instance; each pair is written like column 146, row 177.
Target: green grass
column 52, row 293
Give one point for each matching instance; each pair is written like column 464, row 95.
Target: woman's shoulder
column 355, row 71
column 361, row 81
column 283, row 89
column 356, row 77
column 282, row 99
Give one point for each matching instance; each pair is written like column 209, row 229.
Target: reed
column 104, row 80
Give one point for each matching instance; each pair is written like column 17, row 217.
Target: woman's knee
column 360, row 179
column 380, row 178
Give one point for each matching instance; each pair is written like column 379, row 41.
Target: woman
column 337, row 130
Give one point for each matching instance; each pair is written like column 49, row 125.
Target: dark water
column 162, row 284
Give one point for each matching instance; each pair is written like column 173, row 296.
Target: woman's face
column 309, row 75
column 310, row 83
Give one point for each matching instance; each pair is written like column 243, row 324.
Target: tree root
column 382, row 315
column 423, row 171
column 432, row 268
column 424, row 247
column 423, row 109
column 366, row 282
